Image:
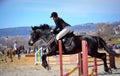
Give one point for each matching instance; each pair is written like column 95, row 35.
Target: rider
column 61, row 27
column 15, row 47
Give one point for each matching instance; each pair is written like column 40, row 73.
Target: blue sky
column 17, row 13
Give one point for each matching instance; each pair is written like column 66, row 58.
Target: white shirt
column 15, row 46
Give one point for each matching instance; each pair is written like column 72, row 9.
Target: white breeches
column 62, row 33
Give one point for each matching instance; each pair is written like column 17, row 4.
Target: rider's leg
column 62, row 33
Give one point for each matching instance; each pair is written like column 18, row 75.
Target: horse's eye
column 31, row 34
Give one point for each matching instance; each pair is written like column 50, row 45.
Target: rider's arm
column 57, row 27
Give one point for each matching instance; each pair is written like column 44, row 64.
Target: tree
column 105, row 30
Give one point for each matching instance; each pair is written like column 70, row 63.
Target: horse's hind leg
column 103, row 57
column 112, row 62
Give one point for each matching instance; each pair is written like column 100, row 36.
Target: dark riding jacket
column 60, row 24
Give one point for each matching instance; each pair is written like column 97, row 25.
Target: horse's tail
column 106, row 48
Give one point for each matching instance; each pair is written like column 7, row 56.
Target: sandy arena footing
column 26, row 67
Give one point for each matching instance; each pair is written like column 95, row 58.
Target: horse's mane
column 42, row 27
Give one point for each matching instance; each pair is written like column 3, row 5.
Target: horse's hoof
column 109, row 71
column 115, row 67
column 36, row 63
column 48, row 67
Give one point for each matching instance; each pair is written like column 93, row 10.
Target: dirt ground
column 26, row 67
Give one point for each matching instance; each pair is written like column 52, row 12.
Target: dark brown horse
column 71, row 45
column 7, row 53
column 11, row 52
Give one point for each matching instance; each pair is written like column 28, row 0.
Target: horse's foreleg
column 44, row 62
column 11, row 58
column 5, row 58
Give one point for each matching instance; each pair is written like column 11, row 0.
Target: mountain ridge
column 25, row 31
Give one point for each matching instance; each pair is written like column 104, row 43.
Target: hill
column 85, row 27
column 25, row 31
column 22, row 31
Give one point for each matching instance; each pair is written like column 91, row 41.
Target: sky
column 19, row 13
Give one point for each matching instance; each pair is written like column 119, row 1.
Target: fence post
column 85, row 58
column 60, row 57
column 95, row 66
column 79, row 64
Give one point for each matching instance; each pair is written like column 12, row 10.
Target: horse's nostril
column 31, row 42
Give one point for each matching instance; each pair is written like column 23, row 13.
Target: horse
column 6, row 53
column 3, row 56
column 72, row 44
column 11, row 52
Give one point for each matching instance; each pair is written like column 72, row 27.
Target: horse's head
column 39, row 32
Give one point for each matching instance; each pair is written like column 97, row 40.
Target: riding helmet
column 54, row 14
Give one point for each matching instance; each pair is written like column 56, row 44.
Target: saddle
column 67, row 39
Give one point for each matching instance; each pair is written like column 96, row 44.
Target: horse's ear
column 32, row 27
